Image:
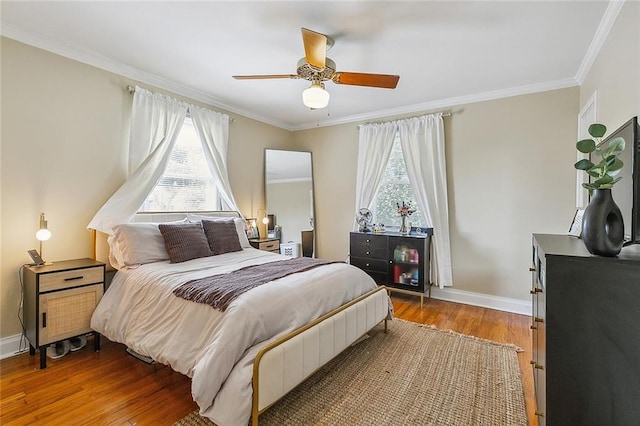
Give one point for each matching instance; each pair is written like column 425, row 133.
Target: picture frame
column 576, row 224
column 253, row 228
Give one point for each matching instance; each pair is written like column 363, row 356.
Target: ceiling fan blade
column 385, row 81
column 265, row 76
column 315, row 48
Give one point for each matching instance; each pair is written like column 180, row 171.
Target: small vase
column 403, row 226
column 602, row 225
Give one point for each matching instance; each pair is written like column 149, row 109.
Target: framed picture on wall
column 576, row 225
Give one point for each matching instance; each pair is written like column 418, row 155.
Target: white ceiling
column 446, row 53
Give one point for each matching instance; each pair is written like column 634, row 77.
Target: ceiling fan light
column 315, row 96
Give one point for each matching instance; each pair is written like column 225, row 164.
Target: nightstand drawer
column 269, row 245
column 69, row 279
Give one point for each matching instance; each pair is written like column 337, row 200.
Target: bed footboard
column 287, row 362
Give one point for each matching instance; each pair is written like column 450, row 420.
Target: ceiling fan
column 317, row 68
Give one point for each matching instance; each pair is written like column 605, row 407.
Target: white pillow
column 135, row 244
column 241, row 226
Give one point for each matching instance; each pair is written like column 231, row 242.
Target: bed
column 266, row 341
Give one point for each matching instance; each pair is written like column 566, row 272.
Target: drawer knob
column 538, row 366
column 536, row 290
column 533, row 327
column 368, row 241
column 368, row 253
column 538, row 319
column 532, row 269
column 367, row 265
column 539, row 413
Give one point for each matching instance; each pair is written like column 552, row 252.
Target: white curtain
column 374, row 148
column 213, row 130
column 156, row 121
column 422, row 141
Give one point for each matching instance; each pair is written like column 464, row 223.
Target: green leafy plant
column 604, row 173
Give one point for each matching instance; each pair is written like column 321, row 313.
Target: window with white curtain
column 395, row 188
column 187, row 183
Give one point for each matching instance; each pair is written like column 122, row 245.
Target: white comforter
column 217, row 349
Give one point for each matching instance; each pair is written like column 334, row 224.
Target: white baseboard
column 10, row 346
column 506, row 304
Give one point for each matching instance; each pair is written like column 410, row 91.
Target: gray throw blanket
column 220, row 290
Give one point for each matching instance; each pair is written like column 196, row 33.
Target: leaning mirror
column 289, row 195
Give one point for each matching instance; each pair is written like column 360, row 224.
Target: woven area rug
column 415, row 375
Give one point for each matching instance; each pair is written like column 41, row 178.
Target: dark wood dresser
column 400, row 262
column 586, row 333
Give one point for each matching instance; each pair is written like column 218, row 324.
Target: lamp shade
column 43, row 233
column 315, row 96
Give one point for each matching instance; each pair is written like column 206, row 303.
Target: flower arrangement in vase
column 404, row 210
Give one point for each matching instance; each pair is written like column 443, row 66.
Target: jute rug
column 415, row 375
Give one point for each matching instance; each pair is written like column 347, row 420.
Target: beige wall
column 64, row 149
column 615, row 74
column 510, row 174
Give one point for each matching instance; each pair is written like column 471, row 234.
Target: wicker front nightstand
column 266, row 244
column 59, row 300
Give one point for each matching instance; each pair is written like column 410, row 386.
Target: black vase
column 602, row 225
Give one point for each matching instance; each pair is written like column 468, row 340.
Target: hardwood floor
column 112, row 388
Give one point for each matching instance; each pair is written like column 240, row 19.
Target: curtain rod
column 132, row 90
column 444, row 114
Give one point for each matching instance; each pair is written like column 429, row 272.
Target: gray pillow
column 222, row 236
column 184, row 241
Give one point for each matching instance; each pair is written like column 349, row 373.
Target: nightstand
column 59, row 300
column 266, row 244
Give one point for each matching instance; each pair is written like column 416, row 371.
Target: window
column 187, row 184
column 395, row 188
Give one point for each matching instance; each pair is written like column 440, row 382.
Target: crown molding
column 74, row 52
column 606, row 24
column 444, row 103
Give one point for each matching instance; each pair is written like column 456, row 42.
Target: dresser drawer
column 370, row 265
column 69, row 279
column 379, row 277
column 368, row 246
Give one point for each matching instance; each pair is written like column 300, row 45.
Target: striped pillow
column 184, row 241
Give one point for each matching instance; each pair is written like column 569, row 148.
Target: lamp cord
column 22, row 346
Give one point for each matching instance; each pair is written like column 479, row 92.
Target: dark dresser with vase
column 586, row 333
